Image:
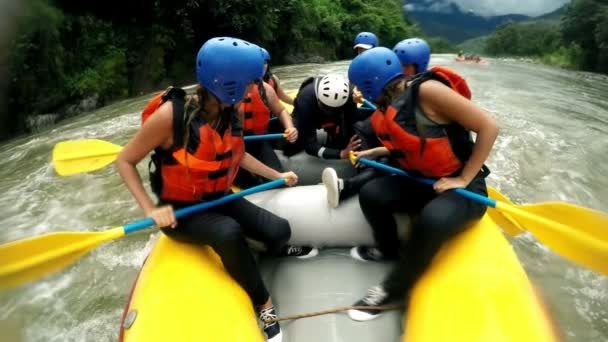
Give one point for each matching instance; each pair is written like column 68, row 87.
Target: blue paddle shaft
column 148, row 222
column 465, row 193
column 264, row 137
column 369, row 104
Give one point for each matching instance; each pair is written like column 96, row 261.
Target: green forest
column 63, row 51
column 578, row 41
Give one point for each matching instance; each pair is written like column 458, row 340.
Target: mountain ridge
column 457, row 25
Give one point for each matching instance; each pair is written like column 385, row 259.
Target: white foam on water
column 551, row 147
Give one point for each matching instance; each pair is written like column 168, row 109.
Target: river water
column 552, row 144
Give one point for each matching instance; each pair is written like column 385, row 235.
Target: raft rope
column 336, row 310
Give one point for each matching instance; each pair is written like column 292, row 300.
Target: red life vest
column 437, row 151
column 206, row 167
column 257, row 114
column 457, row 82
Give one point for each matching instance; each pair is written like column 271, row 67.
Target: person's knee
column 440, row 224
column 227, row 231
column 370, row 195
column 280, row 231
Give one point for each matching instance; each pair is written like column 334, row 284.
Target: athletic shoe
column 364, row 253
column 333, row 184
column 271, row 330
column 300, row 252
column 376, row 296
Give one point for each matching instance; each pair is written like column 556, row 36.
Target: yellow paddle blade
column 30, row 259
column 287, row 106
column 577, row 233
column 78, row 156
column 502, row 219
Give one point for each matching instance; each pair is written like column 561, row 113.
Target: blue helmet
column 265, row 54
column 366, row 40
column 225, row 66
column 414, row 51
column 373, row 70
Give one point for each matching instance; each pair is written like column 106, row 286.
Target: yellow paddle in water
column 29, row 259
column 577, row 233
column 77, row 156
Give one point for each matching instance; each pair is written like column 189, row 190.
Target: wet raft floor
column 330, row 280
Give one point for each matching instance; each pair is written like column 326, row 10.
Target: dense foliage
column 63, row 51
column 579, row 40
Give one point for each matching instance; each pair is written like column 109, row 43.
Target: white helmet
column 332, row 90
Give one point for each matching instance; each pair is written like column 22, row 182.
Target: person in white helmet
column 326, row 103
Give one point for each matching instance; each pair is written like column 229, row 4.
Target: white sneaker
column 332, row 184
column 376, row 296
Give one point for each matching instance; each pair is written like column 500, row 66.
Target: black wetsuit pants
column 263, row 151
column 224, row 228
column 440, row 217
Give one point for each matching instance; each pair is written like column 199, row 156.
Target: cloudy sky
column 488, row 7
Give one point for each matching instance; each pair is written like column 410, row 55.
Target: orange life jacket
column 257, row 114
column 207, row 166
column 456, row 81
column 433, row 151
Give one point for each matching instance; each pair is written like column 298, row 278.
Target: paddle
column 504, row 221
column 577, row 233
column 369, row 104
column 30, row 259
column 78, row 156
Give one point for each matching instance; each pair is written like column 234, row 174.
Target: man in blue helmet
column 365, row 41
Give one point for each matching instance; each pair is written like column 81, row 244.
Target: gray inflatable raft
column 330, row 280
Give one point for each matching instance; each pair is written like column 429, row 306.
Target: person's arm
column 282, row 95
column 155, row 132
column 373, row 153
column 451, row 106
column 279, row 110
column 251, row 164
column 305, row 112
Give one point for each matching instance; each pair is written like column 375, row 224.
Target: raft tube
column 475, row 290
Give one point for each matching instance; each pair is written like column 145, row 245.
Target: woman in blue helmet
column 414, row 55
column 258, row 106
column 426, row 127
column 273, row 79
column 198, row 148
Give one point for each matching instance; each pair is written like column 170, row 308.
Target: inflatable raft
column 475, row 290
column 470, row 61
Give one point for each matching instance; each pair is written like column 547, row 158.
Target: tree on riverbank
column 579, row 40
column 64, row 51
